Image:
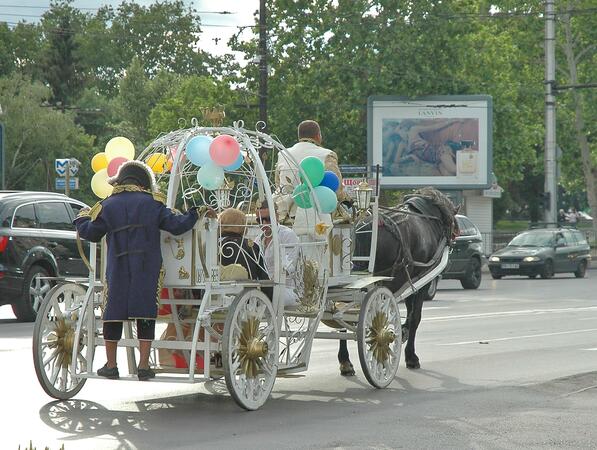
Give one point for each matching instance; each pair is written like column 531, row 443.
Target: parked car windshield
column 535, row 239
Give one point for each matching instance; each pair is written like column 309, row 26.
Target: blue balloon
column 236, row 164
column 330, row 179
column 210, row 176
column 198, row 150
column 327, row 199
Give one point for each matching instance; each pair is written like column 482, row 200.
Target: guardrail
column 497, row 240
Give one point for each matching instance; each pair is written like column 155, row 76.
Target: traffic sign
column 347, row 168
column 61, row 164
column 61, row 183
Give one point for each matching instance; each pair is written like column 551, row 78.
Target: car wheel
column 581, row 270
column 35, row 287
column 429, row 291
column 472, row 278
column 533, row 276
column 547, row 269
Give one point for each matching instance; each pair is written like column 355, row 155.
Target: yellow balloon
column 119, row 146
column 99, row 184
column 99, row 162
column 158, row 162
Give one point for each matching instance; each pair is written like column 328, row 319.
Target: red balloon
column 114, row 164
column 224, row 150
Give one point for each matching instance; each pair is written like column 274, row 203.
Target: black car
column 544, row 252
column 466, row 258
column 37, row 240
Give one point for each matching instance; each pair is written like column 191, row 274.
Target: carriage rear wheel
column 379, row 337
column 250, row 349
column 54, row 339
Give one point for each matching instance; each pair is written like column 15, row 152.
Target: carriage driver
column 131, row 219
column 287, row 177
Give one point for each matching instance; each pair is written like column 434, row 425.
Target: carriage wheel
column 250, row 349
column 379, row 337
column 53, row 341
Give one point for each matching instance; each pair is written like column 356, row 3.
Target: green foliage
column 37, row 135
column 186, row 100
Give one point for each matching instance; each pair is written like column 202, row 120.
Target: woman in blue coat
column 131, row 219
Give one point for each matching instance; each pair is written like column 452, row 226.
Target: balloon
column 198, row 150
column 302, row 196
column 99, row 161
column 114, row 164
column 119, row 146
column 224, row 150
column 236, row 164
column 330, row 179
column 99, row 184
column 158, row 162
column 327, row 199
column 210, row 176
column 313, row 168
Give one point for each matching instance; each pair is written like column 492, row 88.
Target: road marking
column 436, row 307
column 528, row 336
column 508, row 313
column 590, row 349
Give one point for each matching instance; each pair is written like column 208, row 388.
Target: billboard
column 443, row 141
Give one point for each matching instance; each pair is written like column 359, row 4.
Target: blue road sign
column 61, row 183
column 60, row 166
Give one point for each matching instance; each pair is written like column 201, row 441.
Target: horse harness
column 404, row 259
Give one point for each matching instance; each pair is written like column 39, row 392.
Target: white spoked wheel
column 54, row 338
column 379, row 337
column 250, row 349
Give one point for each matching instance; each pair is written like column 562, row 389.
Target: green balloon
column 302, row 196
column 313, row 169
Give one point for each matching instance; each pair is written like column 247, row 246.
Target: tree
column 327, row 57
column 164, row 37
column 60, row 62
column 580, row 52
column 37, row 135
column 186, row 100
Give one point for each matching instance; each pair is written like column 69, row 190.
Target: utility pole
column 262, row 62
column 67, row 179
column 551, row 182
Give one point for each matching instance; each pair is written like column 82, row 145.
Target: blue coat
column 132, row 222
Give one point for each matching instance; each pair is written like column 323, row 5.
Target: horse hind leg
column 346, row 367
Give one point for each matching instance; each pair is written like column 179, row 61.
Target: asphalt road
column 511, row 365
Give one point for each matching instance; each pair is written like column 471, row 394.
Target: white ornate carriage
column 218, row 315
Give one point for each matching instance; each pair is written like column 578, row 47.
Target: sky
column 215, row 37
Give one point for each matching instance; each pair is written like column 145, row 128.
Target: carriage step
column 162, row 378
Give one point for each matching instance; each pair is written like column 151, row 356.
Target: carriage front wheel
column 250, row 349
column 379, row 338
column 54, row 339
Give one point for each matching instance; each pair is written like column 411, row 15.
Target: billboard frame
column 437, row 103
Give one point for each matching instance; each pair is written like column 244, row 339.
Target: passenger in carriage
column 289, row 252
column 236, row 249
column 131, row 219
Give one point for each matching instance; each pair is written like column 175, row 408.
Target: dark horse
column 411, row 239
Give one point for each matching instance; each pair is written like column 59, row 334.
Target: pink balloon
column 114, row 164
column 224, row 150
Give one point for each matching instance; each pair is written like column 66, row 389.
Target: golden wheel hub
column 62, row 339
column 251, row 347
column 380, row 337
